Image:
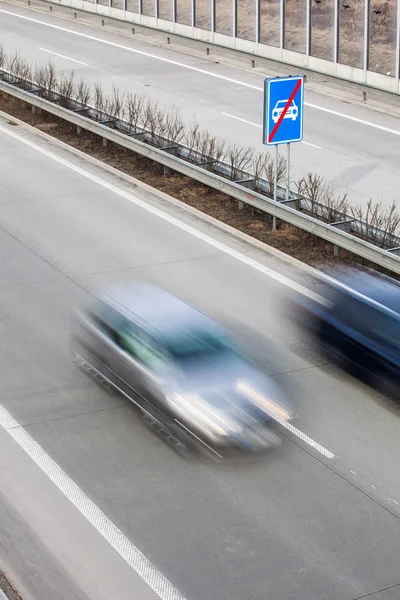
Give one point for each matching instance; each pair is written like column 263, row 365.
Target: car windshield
column 197, row 345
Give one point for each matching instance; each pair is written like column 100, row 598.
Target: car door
column 385, row 339
column 143, row 363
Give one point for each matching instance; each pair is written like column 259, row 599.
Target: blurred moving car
column 186, row 375
column 360, row 328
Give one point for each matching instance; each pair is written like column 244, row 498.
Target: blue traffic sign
column 283, row 110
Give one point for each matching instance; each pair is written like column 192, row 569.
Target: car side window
column 106, row 318
column 354, row 313
column 139, row 344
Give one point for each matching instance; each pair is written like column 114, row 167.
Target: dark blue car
column 359, row 329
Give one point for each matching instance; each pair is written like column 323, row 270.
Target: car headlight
column 192, row 405
column 267, row 405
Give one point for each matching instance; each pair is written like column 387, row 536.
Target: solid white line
column 260, row 127
column 193, row 232
column 66, row 57
column 191, row 68
column 114, row 536
column 305, row 438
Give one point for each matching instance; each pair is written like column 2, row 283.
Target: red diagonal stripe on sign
column 288, row 103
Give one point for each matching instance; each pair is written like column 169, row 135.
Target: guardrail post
column 78, row 130
column 335, row 250
column 105, row 142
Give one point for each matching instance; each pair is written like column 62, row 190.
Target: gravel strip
column 7, row 592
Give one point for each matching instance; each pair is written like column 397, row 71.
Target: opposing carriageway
column 351, row 146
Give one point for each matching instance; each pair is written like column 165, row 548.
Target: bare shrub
column 311, row 187
column 239, row 159
column 212, row 146
column 134, row 110
column 376, row 216
column 174, row 127
column 158, row 125
column 14, row 63
column 99, row 99
column 270, row 172
column 3, row 57
column 25, row 73
column 216, row 148
column 321, row 198
column 66, row 89
column 151, row 117
column 260, row 167
column 45, row 77
column 192, row 138
column 334, row 206
column 39, row 76
column 116, row 103
column 19, row 68
column 83, row 92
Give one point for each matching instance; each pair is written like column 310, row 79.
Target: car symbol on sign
column 291, row 113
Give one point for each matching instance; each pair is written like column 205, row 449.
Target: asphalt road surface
column 361, row 154
column 317, row 519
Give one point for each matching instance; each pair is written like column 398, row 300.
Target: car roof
column 374, row 286
column 157, row 308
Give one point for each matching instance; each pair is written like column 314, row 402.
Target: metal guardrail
column 281, row 209
column 2, row 595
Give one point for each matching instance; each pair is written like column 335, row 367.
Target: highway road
column 361, row 153
column 317, row 519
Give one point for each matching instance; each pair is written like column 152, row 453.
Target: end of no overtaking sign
column 283, row 110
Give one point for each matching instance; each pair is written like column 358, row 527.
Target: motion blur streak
column 360, row 330
column 117, row 540
column 179, row 366
column 271, row 408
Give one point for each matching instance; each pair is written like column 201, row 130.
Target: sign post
column 288, row 173
column 283, row 119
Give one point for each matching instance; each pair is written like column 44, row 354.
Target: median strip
column 230, row 183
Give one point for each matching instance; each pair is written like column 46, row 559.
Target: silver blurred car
column 193, row 385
